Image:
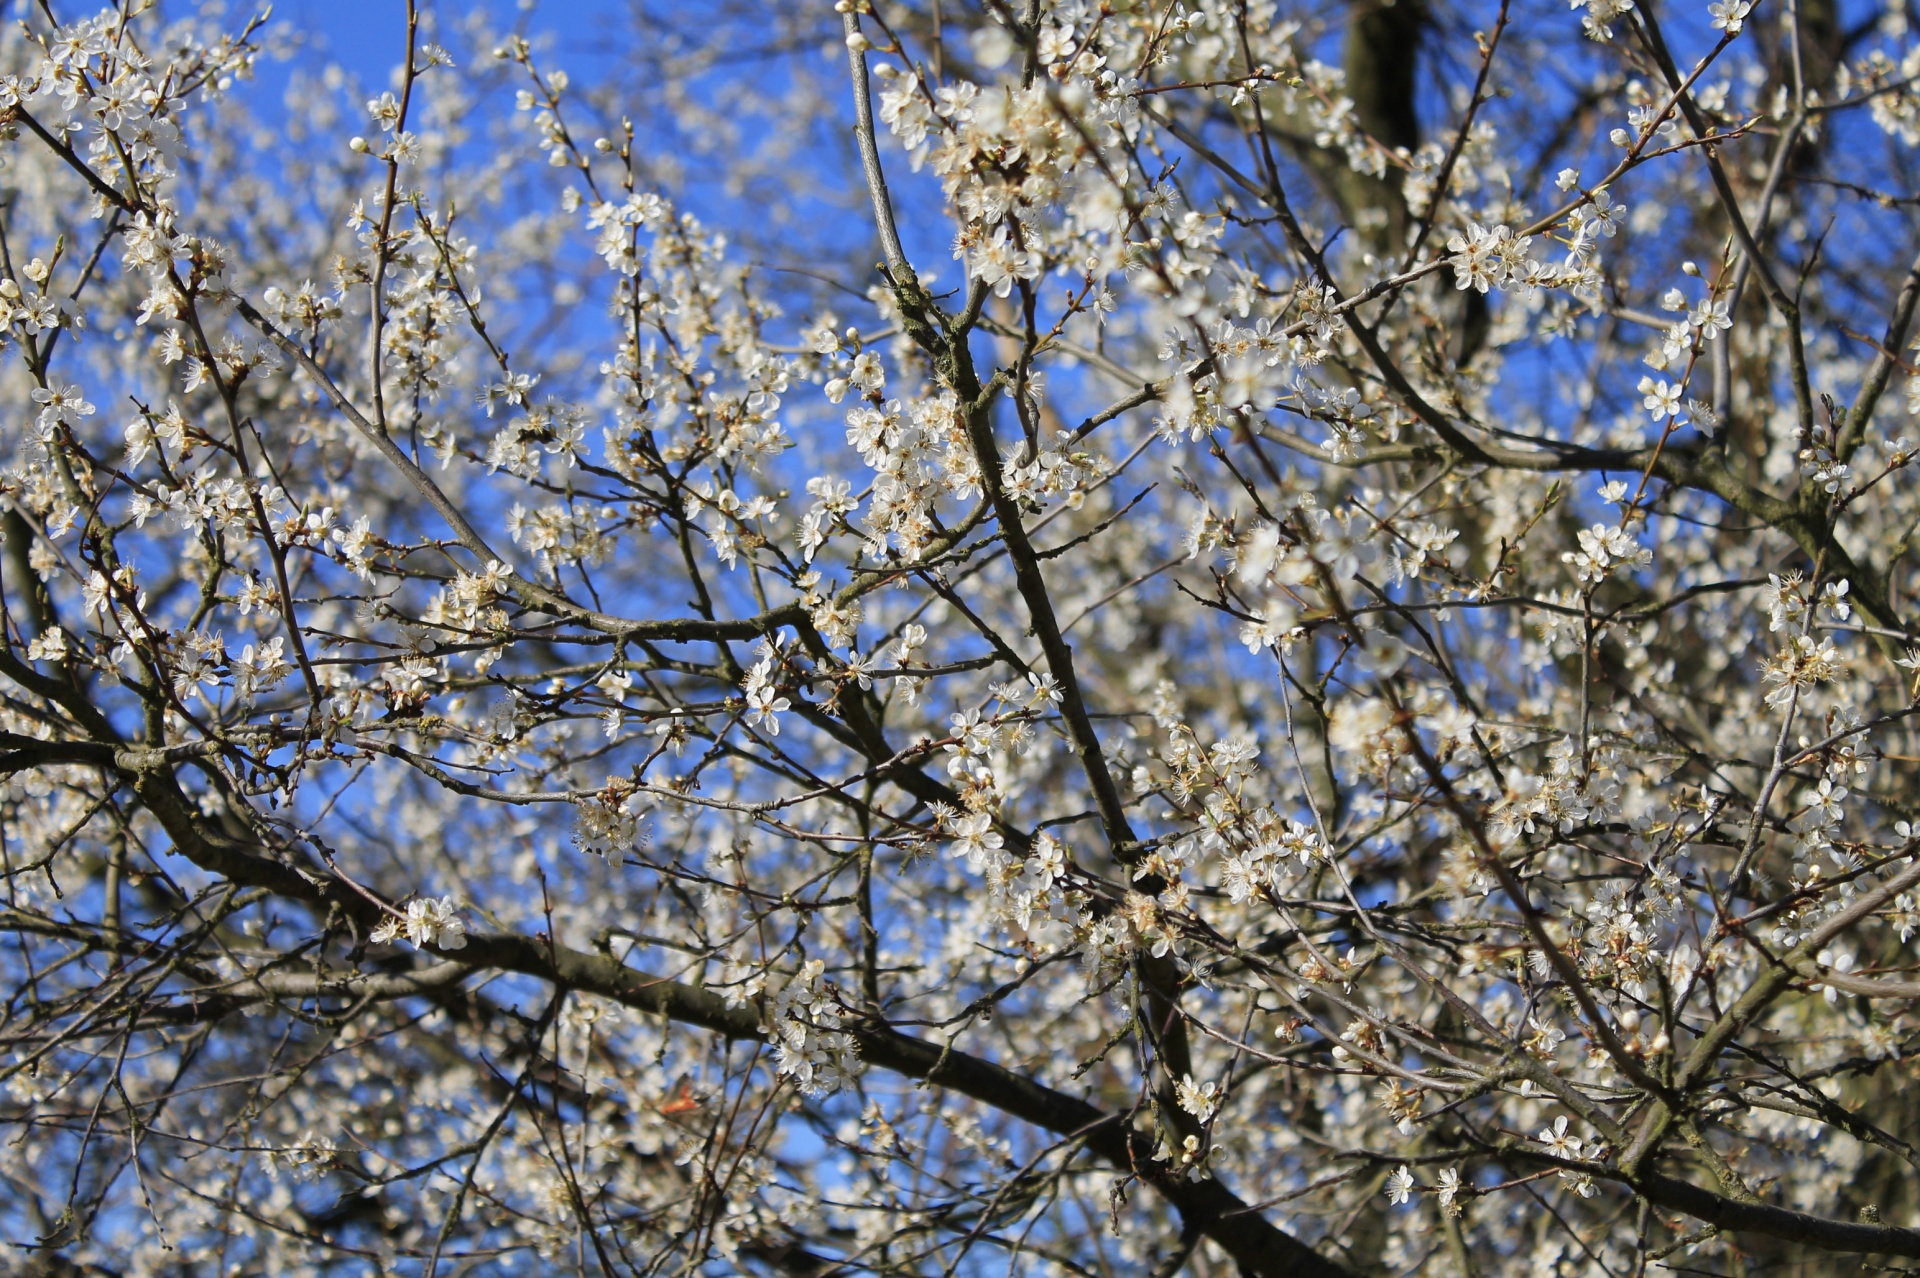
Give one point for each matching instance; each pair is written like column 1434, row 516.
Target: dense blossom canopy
column 962, row 636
